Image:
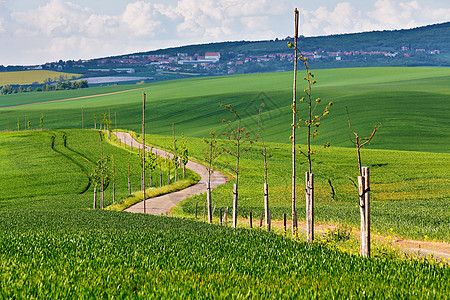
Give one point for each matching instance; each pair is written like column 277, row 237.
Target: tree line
column 60, row 85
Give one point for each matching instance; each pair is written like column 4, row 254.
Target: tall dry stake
column 101, row 161
column 364, row 189
column 143, row 150
column 294, row 118
column 238, row 136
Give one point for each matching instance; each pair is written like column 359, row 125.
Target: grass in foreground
column 106, row 254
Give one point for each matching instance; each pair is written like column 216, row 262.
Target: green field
column 54, row 245
column 410, row 103
column 31, row 77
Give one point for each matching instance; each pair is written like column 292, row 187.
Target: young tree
column 175, row 162
column 99, row 177
column 238, row 137
column 41, row 121
column 18, row 124
column 95, row 121
column 211, row 152
column 364, row 189
column 184, row 154
column 107, row 124
column 266, row 155
column 152, row 162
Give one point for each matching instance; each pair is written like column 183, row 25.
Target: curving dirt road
column 164, row 203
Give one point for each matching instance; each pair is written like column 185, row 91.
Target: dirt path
column 164, row 203
column 76, row 98
column 439, row 250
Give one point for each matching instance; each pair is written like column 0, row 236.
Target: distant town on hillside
column 423, row 46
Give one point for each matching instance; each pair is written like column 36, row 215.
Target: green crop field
column 54, row 245
column 410, row 103
column 31, row 77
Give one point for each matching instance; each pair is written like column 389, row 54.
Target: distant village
column 219, row 63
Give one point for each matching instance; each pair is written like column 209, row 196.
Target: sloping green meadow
column 98, row 254
column 53, row 245
column 410, row 103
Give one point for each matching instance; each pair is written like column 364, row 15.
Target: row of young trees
column 26, row 125
column 61, row 85
column 240, row 140
column 104, row 170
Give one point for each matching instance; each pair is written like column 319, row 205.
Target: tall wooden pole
column 101, row 162
column 143, row 145
column 294, row 121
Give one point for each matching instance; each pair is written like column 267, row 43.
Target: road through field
column 164, row 203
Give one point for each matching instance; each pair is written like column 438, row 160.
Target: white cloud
column 384, row 15
column 54, row 29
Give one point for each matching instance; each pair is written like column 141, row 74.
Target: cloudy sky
column 38, row 31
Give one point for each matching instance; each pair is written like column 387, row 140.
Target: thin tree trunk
column 184, row 171
column 129, row 186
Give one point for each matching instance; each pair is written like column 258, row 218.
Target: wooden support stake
column 208, row 202
column 266, row 205
column 294, row 225
column 251, row 220
column 270, row 221
column 235, row 199
column 367, row 207
column 309, row 207
column 261, row 219
column 364, row 207
column 284, row 223
column 214, row 210
column 196, row 208
column 226, row 216
column 204, row 211
column 220, row 216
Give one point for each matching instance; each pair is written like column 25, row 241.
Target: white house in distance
column 212, row 56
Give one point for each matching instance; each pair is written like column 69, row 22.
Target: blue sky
column 38, row 31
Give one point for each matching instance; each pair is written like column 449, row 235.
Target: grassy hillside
column 410, row 191
column 94, row 254
column 410, row 103
column 34, row 176
column 31, row 77
column 52, row 245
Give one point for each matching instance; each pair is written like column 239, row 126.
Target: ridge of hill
column 422, row 46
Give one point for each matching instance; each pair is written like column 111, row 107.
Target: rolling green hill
column 412, row 105
column 52, row 245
